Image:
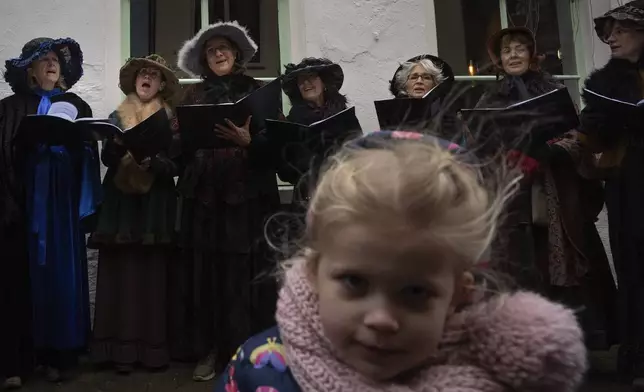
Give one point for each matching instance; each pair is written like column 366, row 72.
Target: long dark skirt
column 16, row 354
column 221, row 294
column 626, row 224
column 130, row 323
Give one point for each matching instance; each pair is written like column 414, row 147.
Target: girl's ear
column 162, row 86
column 312, row 268
column 464, row 290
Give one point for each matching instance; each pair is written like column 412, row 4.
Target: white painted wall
column 595, row 53
column 368, row 38
column 95, row 24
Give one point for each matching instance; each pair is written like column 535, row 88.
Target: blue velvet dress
column 62, row 187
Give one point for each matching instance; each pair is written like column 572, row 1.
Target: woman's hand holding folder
column 238, row 135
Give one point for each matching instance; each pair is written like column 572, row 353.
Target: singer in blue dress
column 61, row 191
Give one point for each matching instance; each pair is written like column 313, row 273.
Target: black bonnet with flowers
column 69, row 55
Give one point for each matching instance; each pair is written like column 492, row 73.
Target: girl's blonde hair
column 410, row 187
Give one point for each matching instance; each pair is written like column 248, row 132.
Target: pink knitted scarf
column 522, row 342
column 310, row 355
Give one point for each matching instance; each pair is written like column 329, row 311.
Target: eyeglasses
column 307, row 77
column 425, row 77
column 221, row 48
column 618, row 31
column 150, row 72
column 518, row 49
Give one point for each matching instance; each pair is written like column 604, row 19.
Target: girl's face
column 419, row 82
column 384, row 298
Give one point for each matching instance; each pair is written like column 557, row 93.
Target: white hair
column 428, row 65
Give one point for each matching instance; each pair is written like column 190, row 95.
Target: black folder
column 197, row 122
column 528, row 123
column 318, row 136
column 146, row 139
column 143, row 140
column 411, row 112
column 617, row 107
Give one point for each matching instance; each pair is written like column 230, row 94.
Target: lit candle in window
column 471, row 68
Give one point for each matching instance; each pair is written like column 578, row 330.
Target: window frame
column 503, row 9
column 579, row 54
column 284, row 39
column 283, row 20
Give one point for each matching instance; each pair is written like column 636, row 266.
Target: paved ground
column 177, row 379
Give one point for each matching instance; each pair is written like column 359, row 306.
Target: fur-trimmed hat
column 128, row 73
column 331, row 74
column 446, row 71
column 632, row 12
column 191, row 54
column 494, row 45
column 69, row 54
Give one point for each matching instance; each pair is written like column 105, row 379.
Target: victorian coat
column 135, row 238
column 224, row 284
column 561, row 256
column 619, row 138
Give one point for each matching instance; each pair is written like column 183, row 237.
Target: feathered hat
column 69, row 55
column 330, row 73
column 191, row 54
column 632, row 12
column 129, row 71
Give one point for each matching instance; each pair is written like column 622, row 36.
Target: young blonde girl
column 382, row 298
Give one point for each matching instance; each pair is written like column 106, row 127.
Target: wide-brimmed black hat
column 69, row 55
column 446, row 70
column 331, row 74
column 632, row 12
column 190, row 57
column 128, row 73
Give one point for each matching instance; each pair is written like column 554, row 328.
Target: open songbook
column 411, row 112
column 527, row 123
column 615, row 105
column 320, row 135
column 197, row 122
column 61, row 127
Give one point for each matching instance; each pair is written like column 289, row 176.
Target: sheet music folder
column 411, row 112
column 533, row 121
column 145, row 139
column 197, row 122
column 319, row 135
column 615, row 106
